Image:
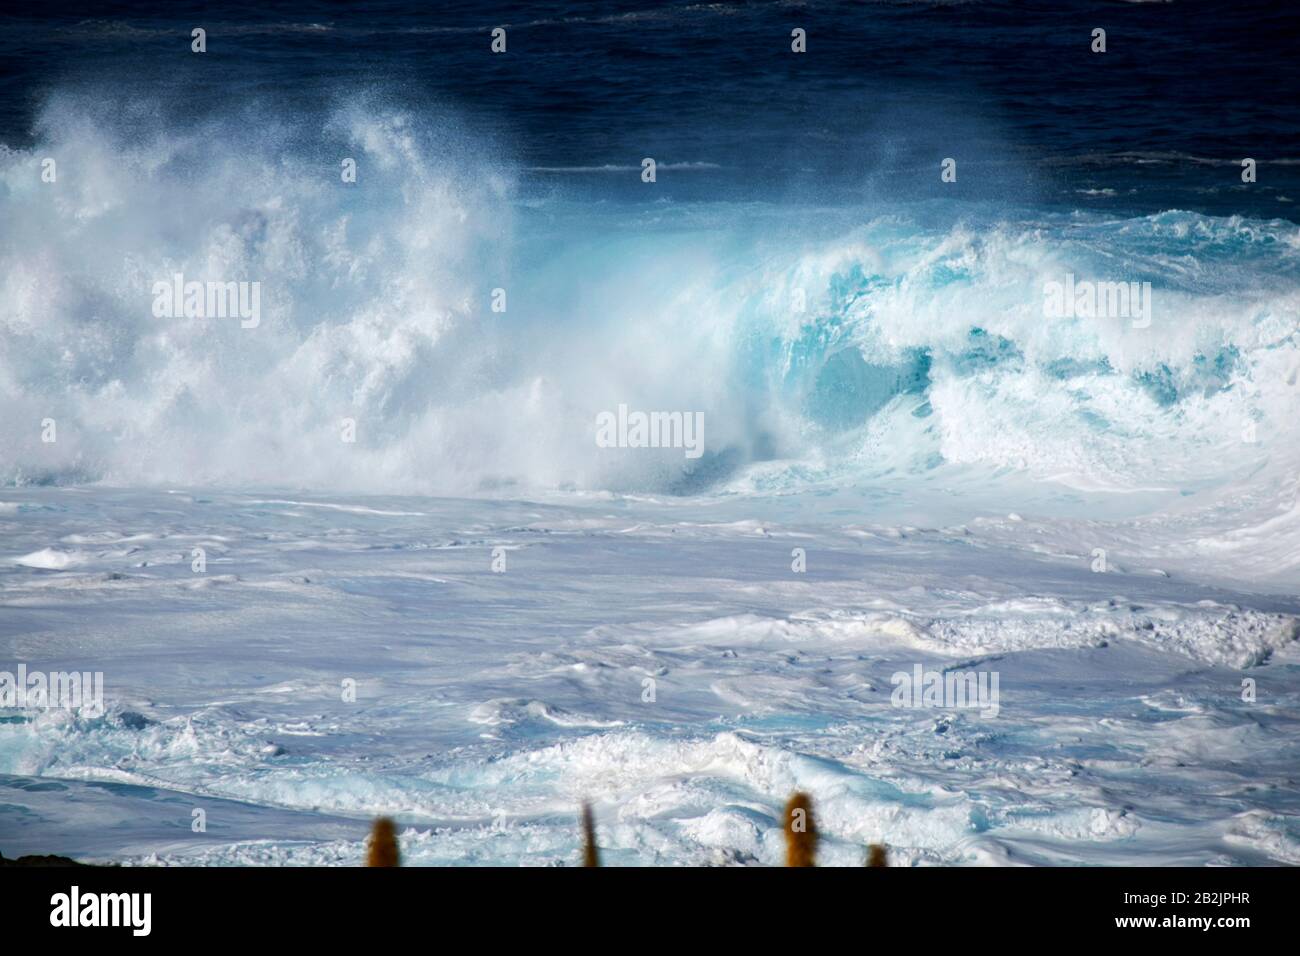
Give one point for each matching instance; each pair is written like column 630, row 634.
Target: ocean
column 404, row 427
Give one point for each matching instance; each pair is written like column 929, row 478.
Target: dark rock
column 41, row 861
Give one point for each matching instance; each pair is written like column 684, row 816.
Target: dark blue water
column 886, row 91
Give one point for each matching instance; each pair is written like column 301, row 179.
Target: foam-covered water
column 489, row 705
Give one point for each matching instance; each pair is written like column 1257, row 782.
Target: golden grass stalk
column 383, row 844
column 590, row 852
column 800, row 832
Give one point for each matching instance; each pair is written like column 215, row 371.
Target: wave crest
column 921, row 345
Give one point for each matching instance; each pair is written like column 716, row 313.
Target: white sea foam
column 658, row 657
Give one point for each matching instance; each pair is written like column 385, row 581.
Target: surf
column 866, row 344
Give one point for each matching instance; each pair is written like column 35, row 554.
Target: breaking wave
column 921, row 345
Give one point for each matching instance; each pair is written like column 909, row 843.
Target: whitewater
column 472, row 616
